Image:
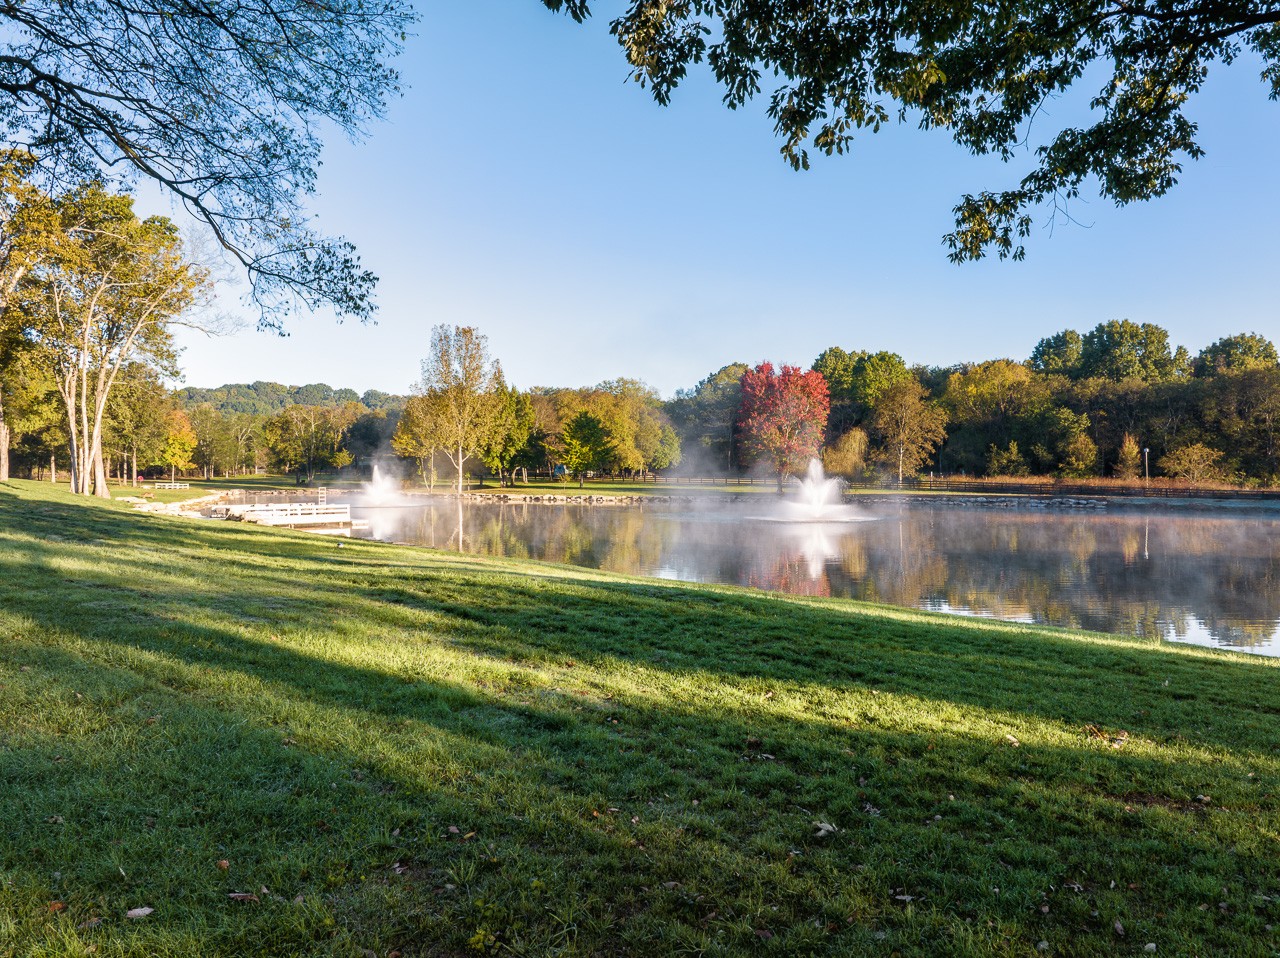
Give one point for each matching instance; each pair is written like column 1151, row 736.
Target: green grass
column 402, row 750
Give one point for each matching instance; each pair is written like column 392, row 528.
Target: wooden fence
column 978, row 487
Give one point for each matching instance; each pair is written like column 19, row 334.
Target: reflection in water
column 1209, row 580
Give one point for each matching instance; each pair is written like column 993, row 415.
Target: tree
column 587, row 445
column 306, row 437
column 909, row 427
column 839, row 367
column 218, row 103
column 783, row 416
column 137, row 416
column 1233, row 353
column 1120, row 349
column 847, row 456
column 874, row 374
column 27, row 226
column 1059, row 353
column 1129, row 461
column 465, row 387
column 1194, row 463
column 418, row 436
column 1007, row 461
column 179, row 443
column 980, row 72
column 511, row 434
column 706, row 416
column 991, row 407
column 104, row 296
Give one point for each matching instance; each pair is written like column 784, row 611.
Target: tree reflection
column 1200, row 578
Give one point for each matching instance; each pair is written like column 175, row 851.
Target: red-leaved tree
column 782, row 416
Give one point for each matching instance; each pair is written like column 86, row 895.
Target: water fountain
column 381, row 490
column 819, row 500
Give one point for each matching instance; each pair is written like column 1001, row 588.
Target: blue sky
column 522, row 186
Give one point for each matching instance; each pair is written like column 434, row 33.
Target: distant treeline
column 1117, row 401
column 265, row 398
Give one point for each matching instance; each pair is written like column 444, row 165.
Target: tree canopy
column 982, row 72
column 218, row 102
column 783, row 415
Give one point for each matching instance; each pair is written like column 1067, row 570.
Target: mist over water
column 1205, row 579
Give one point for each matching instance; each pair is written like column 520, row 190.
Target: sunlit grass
column 441, row 755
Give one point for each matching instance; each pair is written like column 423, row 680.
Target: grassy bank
column 284, row 747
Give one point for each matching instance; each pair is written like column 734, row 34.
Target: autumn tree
column 847, row 456
column 465, row 387
column 105, row 295
column 1129, row 460
column 783, row 416
column 220, row 104
column 179, row 443
column 992, row 406
column 981, row 73
column 908, row 426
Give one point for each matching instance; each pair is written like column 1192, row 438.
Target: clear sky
column 522, row 186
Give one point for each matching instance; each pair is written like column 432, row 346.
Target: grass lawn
column 282, row 747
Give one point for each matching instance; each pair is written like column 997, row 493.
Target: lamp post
column 1146, row 464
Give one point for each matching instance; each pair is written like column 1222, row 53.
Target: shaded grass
column 443, row 755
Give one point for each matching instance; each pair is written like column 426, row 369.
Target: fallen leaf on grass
column 55, row 819
column 455, row 830
column 223, row 864
column 243, row 896
column 56, row 906
column 824, row 829
column 138, row 912
column 1119, row 928
column 89, row 925
column 764, row 933
column 1012, row 741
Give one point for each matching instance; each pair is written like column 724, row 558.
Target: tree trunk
column 53, row 468
column 4, row 443
column 460, row 461
column 135, row 467
column 100, row 488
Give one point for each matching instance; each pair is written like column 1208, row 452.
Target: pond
column 1207, row 578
